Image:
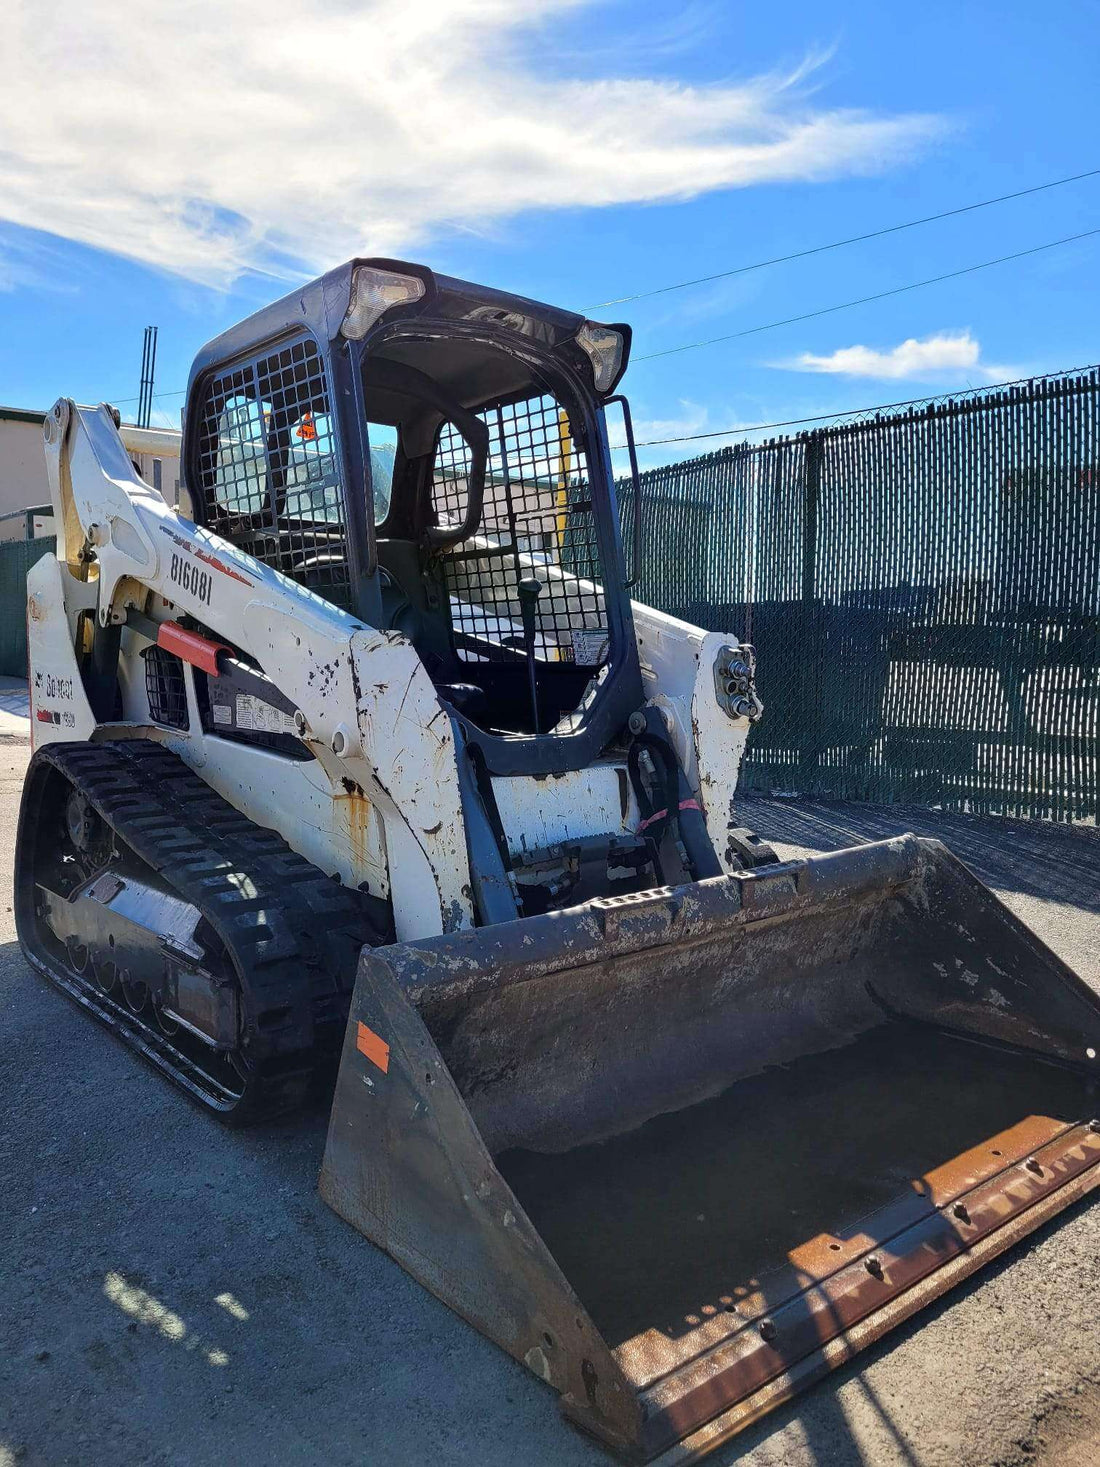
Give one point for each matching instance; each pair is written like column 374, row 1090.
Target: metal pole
column 148, row 374
column 810, row 649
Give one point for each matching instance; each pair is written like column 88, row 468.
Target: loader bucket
column 684, row 1152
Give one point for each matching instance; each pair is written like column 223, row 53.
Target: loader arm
column 365, row 706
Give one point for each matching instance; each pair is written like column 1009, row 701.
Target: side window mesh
column 268, row 471
column 164, row 687
column 537, row 522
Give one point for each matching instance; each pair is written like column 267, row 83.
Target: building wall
column 23, row 480
column 22, row 468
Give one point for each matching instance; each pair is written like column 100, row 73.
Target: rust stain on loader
column 356, row 812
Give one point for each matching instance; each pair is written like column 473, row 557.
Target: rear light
column 373, row 293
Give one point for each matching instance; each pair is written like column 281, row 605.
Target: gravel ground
column 175, row 1293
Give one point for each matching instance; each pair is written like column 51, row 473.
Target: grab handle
column 636, row 538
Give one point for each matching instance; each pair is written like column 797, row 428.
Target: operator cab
column 485, row 529
column 433, row 458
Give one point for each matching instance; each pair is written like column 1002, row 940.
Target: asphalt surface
column 174, row 1293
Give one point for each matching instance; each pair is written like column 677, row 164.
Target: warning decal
column 373, row 1046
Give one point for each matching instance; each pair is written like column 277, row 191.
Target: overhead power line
column 176, row 392
column 824, row 310
column 837, row 244
column 865, row 299
column 864, row 412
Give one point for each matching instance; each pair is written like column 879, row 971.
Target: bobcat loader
column 368, row 746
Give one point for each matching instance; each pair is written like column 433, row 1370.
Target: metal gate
column 16, row 559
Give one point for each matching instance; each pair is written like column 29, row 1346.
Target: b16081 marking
column 188, row 575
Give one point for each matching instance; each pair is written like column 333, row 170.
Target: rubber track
column 294, row 934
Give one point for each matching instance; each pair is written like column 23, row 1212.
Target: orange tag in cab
column 374, row 1047
column 307, row 428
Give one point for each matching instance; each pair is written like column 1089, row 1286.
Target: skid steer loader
column 369, row 746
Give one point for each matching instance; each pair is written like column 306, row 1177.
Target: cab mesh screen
column 537, row 522
column 268, row 472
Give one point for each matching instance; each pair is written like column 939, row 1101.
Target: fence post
column 809, row 652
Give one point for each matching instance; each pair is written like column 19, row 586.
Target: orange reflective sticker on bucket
column 374, row 1047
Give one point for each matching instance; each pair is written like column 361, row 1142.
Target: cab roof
column 322, row 304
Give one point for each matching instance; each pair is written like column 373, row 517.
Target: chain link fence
column 923, row 591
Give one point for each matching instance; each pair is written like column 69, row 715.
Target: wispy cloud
column 209, row 139
column 946, row 355
column 27, row 261
column 662, row 440
column 692, row 418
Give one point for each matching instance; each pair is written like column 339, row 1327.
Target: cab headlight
column 373, row 293
column 604, row 348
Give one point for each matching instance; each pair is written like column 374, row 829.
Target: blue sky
column 185, row 169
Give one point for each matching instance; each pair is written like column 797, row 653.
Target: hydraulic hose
column 680, row 807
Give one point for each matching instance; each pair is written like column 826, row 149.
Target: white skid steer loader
column 369, row 746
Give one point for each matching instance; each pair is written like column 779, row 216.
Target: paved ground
column 14, row 709
column 173, row 1293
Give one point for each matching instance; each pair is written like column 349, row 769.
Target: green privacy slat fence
column 16, row 559
column 923, row 590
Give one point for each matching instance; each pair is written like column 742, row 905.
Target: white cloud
column 209, row 138
column 946, row 354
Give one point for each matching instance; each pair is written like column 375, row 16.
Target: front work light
column 373, row 292
column 604, row 348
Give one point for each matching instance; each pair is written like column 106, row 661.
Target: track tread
column 293, row 932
